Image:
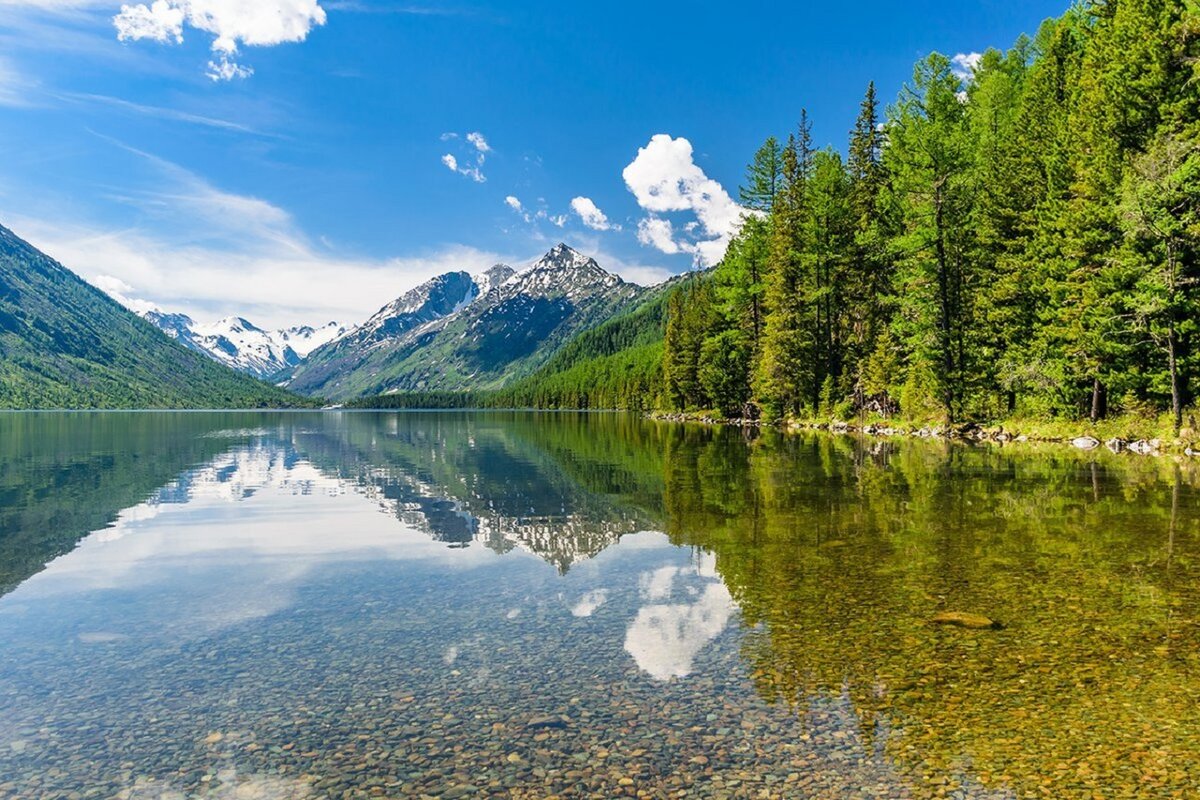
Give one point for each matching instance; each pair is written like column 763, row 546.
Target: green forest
column 1012, row 238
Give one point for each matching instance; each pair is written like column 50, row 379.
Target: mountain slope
column 241, row 345
column 617, row 364
column 66, row 344
column 495, row 331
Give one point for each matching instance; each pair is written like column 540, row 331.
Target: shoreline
column 967, row 432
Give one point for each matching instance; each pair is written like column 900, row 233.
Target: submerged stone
column 961, row 619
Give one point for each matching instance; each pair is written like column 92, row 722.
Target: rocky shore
column 965, row 432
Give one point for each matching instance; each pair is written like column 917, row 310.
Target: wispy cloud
column 473, row 155
column 160, row 112
column 358, row 7
column 14, row 86
column 207, row 252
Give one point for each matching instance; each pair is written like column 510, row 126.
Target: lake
column 525, row 605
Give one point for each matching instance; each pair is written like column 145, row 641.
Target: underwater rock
column 960, row 619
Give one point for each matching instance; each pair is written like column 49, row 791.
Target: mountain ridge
column 243, row 346
column 458, row 331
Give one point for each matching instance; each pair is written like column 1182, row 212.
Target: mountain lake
column 274, row 606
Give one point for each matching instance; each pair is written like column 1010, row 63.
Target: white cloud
column 122, row 292
column 479, row 142
column 225, row 69
column 658, row 233
column 158, row 112
column 513, row 203
column 209, row 253
column 664, row 178
column 232, row 23
column 964, row 65
column 591, row 215
column 13, row 86
column 479, row 148
column 160, row 22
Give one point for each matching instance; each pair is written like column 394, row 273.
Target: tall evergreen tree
column 763, row 177
column 928, row 158
column 782, row 369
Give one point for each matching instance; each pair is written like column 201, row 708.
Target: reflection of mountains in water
column 479, row 485
column 540, row 512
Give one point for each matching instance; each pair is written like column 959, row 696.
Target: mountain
column 243, row 346
column 460, row 332
column 617, row 364
column 66, row 344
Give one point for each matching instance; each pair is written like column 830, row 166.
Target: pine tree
column 868, row 285
column 763, row 177
column 782, row 368
column 929, row 161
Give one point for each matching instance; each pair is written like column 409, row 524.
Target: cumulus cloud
column 664, row 178
column 658, row 233
column 471, row 162
column 513, row 203
column 232, row 24
column 590, row 214
column 964, row 65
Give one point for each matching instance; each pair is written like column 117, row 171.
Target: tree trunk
column 1097, row 399
column 1176, row 401
column 944, row 323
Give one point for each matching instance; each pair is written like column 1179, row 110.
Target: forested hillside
column 617, row 364
column 65, row 344
column 1021, row 241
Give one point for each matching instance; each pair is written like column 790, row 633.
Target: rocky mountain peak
column 494, row 277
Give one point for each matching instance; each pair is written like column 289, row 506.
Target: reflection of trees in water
column 842, row 552
column 64, row 475
column 836, row 551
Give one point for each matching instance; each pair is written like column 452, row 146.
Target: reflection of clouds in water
column 591, row 601
column 200, row 563
column 665, row 638
column 657, row 584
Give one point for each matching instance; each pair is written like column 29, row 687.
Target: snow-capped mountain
column 243, row 346
column 460, row 331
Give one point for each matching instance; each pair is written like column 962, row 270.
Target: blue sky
column 287, row 160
